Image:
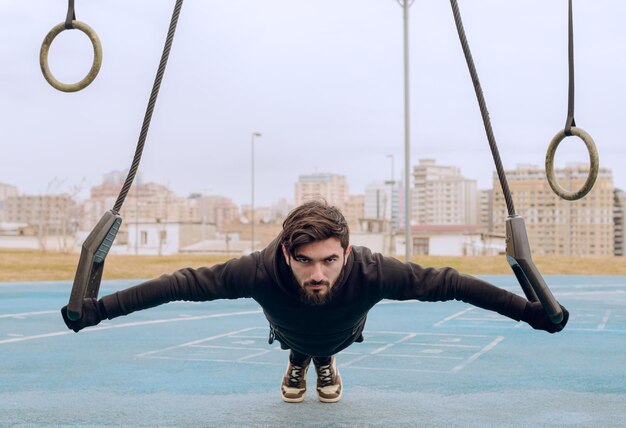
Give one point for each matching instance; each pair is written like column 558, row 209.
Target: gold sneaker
column 329, row 385
column 293, row 388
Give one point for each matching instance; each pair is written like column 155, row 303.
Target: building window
column 144, row 237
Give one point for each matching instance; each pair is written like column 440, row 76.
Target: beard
column 318, row 296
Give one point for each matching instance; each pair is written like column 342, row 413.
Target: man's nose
column 318, row 273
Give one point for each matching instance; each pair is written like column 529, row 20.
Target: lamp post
column 254, row 135
column 407, row 134
column 392, row 185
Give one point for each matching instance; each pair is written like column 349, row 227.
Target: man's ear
column 286, row 254
column 346, row 254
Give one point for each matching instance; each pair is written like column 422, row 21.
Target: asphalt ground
column 209, row 364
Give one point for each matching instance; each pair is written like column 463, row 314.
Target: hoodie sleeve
column 231, row 280
column 403, row 281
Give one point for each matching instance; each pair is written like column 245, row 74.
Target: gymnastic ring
column 593, row 163
column 95, row 66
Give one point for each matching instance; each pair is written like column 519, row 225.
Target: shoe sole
column 293, row 400
column 329, row 400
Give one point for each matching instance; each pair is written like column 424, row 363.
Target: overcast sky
column 320, row 79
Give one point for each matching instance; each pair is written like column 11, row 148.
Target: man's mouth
column 316, row 285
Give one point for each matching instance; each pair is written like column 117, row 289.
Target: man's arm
column 402, row 281
column 230, row 280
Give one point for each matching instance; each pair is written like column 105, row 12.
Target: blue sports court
column 208, row 364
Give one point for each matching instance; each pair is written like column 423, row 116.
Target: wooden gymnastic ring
column 95, row 66
column 593, row 164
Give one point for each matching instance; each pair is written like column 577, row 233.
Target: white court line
column 451, row 317
column 490, row 319
column 589, row 286
column 27, row 314
column 591, row 293
column 232, row 348
column 195, row 342
column 605, row 319
column 420, row 356
column 441, row 345
column 474, row 357
column 379, row 350
column 257, row 354
column 130, row 324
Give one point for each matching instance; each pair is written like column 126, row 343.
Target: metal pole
column 392, row 185
column 254, row 134
column 407, row 137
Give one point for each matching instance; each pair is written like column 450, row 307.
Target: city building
column 354, row 211
column 333, row 188
column 144, row 203
column 6, row 191
column 216, row 210
column 555, row 226
column 441, row 195
column 485, row 209
column 619, row 220
column 160, row 238
column 48, row 214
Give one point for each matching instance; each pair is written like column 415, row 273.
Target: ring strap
column 569, row 122
column 71, row 15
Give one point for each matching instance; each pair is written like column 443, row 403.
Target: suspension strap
column 518, row 252
column 71, row 15
column 570, row 129
column 98, row 243
column 150, row 108
column 569, row 122
column 483, row 108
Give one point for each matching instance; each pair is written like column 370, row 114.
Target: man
column 315, row 290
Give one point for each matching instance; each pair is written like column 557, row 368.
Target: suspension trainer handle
column 91, row 263
column 520, row 259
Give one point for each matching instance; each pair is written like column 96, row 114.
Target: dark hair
column 314, row 221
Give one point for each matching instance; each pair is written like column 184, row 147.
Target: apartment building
column 47, row 214
column 556, row 226
column 333, row 188
column 441, row 195
column 619, row 220
column 354, row 211
column 6, row 191
column 485, row 210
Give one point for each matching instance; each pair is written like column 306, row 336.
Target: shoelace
column 295, row 375
column 325, row 375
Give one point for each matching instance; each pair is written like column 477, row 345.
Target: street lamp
column 254, row 135
column 407, row 134
column 392, row 185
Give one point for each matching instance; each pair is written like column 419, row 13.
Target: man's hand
column 92, row 315
column 536, row 316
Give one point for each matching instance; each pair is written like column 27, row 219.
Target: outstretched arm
column 230, row 280
column 410, row 281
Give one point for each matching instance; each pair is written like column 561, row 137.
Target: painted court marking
column 581, row 319
column 108, row 326
column 387, row 350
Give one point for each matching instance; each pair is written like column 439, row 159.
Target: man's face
column 317, row 267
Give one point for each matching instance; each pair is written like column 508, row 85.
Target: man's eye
column 331, row 260
column 302, row 259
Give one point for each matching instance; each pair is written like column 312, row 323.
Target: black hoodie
column 321, row 330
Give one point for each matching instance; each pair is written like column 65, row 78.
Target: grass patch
column 29, row 265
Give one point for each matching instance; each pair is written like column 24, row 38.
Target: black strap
column 71, row 15
column 150, row 108
column 508, row 198
column 570, row 96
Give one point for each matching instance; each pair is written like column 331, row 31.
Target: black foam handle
column 520, row 259
column 91, row 263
